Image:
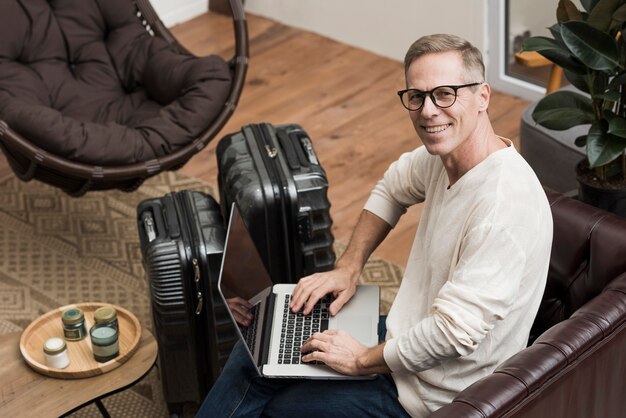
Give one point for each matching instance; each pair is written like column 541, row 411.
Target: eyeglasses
column 442, row 96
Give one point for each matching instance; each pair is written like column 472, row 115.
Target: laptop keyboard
column 296, row 328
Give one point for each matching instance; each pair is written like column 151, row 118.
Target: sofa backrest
column 588, row 251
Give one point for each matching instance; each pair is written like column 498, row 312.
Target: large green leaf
column 561, row 119
column 555, row 51
column 617, row 126
column 555, row 31
column 564, row 60
column 602, row 14
column 539, row 43
column 602, row 147
column 594, row 48
column 566, row 11
column 577, row 80
column 588, row 4
column 581, row 141
column 562, row 110
column 565, row 99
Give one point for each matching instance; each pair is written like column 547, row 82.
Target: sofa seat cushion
column 84, row 80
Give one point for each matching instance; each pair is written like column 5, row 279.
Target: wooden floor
column 343, row 96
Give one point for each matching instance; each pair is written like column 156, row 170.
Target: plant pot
column 610, row 199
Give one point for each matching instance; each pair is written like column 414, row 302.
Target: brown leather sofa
column 576, row 363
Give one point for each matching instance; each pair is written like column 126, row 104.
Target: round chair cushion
column 84, row 80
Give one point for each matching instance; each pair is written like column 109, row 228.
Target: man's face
column 443, row 131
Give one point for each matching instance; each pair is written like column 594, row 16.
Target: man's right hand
column 340, row 282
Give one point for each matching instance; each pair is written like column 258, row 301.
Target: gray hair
column 472, row 57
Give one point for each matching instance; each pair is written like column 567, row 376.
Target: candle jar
column 74, row 324
column 106, row 315
column 55, row 353
column 104, row 342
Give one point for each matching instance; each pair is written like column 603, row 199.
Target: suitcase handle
column 290, row 152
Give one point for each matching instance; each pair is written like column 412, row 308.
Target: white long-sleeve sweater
column 475, row 275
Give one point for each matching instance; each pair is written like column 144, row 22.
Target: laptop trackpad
column 359, row 326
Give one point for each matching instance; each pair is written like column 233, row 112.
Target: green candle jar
column 74, row 324
column 104, row 342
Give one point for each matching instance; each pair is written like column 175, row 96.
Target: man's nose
column 429, row 107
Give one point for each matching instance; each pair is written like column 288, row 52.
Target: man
column 476, row 272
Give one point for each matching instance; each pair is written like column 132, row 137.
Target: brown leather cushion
column 84, row 80
column 587, row 253
column 562, row 354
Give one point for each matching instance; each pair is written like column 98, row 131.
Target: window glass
column 526, row 18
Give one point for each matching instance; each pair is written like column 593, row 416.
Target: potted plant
column 589, row 46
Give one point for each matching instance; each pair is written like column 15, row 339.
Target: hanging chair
column 98, row 94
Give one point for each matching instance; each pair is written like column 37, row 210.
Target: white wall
column 385, row 27
column 388, row 27
column 173, row 12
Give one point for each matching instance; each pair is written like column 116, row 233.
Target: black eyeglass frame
column 430, row 94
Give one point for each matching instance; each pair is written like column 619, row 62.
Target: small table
column 23, row 391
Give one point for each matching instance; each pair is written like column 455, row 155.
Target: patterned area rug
column 56, row 250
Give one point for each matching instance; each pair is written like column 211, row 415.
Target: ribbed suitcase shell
column 274, row 177
column 182, row 240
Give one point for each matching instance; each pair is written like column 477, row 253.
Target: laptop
column 275, row 334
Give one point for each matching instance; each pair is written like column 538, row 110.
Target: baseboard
column 184, row 12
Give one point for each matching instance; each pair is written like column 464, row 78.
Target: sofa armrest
column 574, row 369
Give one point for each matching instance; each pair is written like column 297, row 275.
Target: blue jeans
column 241, row 392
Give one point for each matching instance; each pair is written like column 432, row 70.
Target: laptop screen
column 243, row 272
column 244, row 275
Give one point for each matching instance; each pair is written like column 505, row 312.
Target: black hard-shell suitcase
column 182, row 240
column 274, row 177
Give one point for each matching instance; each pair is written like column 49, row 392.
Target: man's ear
column 485, row 95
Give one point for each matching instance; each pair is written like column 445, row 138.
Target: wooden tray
column 82, row 363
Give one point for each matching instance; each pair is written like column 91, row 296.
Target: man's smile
column 436, row 128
